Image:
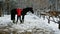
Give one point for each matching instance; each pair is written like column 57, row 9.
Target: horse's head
column 30, row 9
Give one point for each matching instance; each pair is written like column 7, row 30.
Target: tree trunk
column 0, row 11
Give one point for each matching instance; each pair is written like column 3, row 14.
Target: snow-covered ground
column 31, row 22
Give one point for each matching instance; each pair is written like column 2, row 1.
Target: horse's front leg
column 23, row 18
column 20, row 20
column 44, row 17
column 59, row 26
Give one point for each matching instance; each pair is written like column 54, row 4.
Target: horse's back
column 54, row 13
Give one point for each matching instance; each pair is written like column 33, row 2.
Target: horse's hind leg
column 13, row 18
column 13, row 21
column 17, row 19
column 49, row 20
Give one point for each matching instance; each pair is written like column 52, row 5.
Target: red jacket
column 19, row 11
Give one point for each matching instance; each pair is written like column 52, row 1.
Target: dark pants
column 21, row 20
column 19, row 17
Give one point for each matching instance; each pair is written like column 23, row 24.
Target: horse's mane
column 28, row 8
column 25, row 10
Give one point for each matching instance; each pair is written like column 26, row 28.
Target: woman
column 19, row 14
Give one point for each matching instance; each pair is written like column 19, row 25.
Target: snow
column 31, row 22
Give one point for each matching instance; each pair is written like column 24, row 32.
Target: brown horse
column 51, row 14
column 55, row 14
